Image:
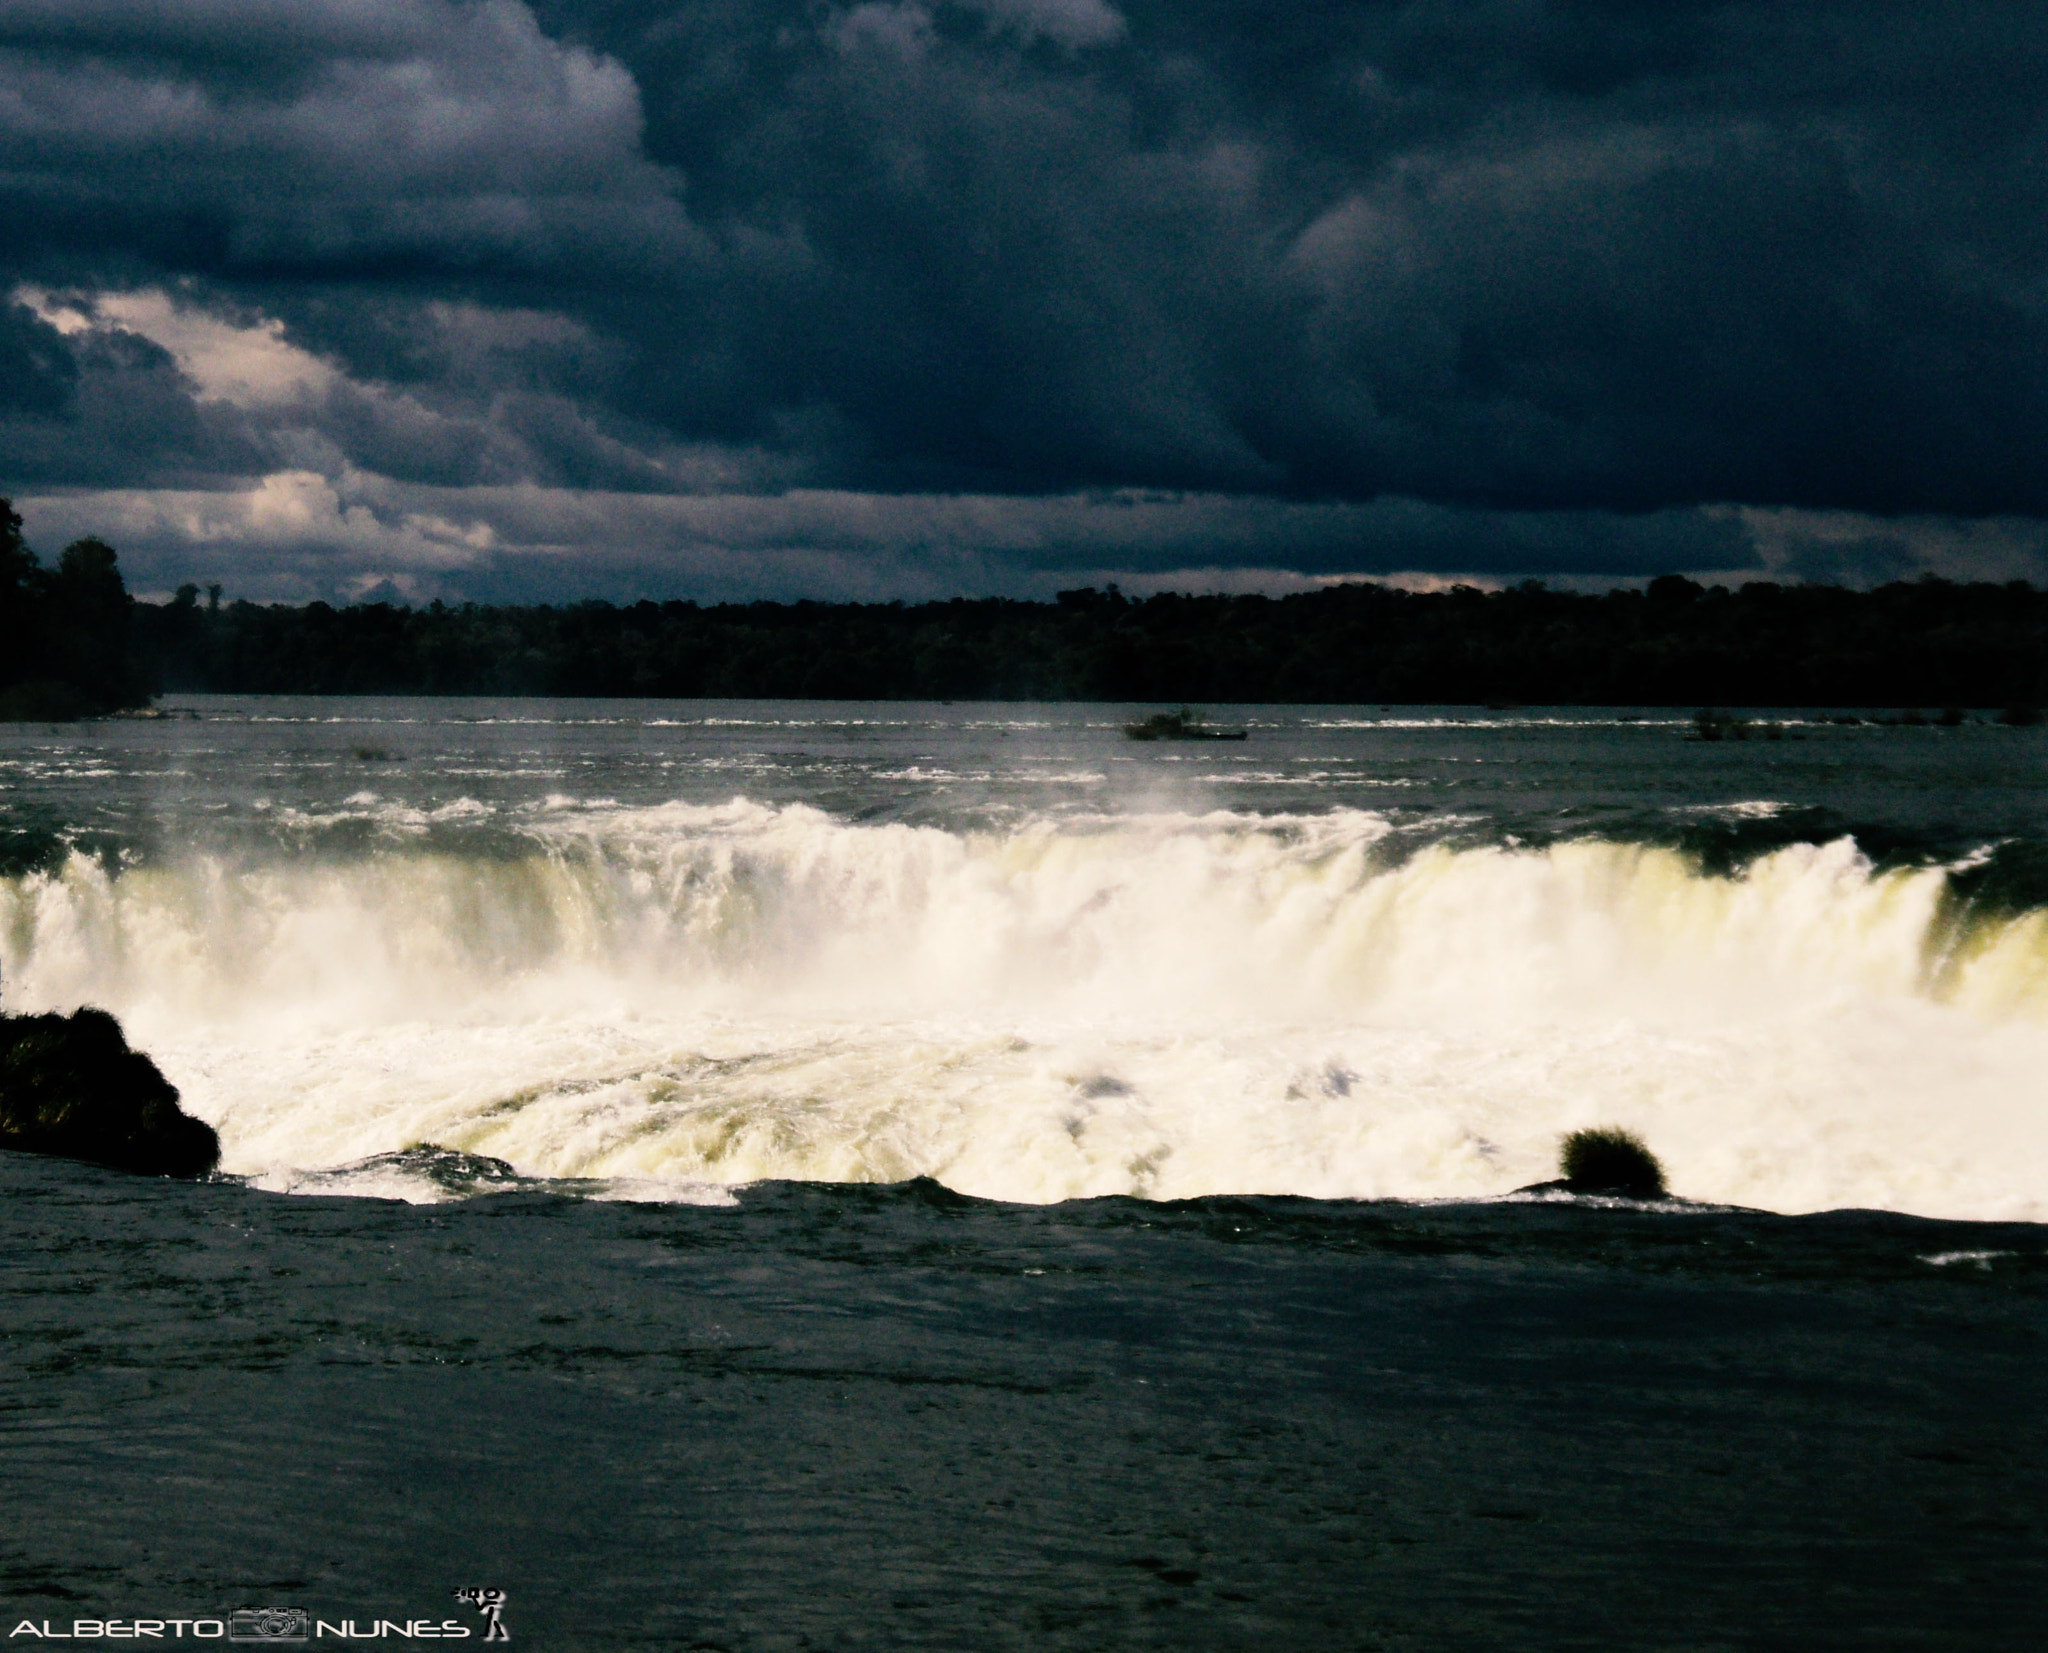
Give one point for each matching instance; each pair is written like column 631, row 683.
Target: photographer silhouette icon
column 490, row 1603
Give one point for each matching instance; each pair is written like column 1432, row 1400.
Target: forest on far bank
column 73, row 642
column 1928, row 643
column 67, row 644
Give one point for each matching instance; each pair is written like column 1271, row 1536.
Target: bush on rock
column 1610, row 1160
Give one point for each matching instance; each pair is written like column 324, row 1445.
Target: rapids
column 679, row 996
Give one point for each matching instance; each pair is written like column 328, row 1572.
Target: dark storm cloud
column 1554, row 255
column 108, row 409
column 1559, row 283
column 38, row 375
column 316, row 137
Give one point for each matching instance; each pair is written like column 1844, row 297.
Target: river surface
column 668, row 949
column 770, row 1176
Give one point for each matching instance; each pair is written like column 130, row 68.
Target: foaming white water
column 1168, row 1006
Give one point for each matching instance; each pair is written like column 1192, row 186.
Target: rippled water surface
column 759, row 1177
column 668, row 949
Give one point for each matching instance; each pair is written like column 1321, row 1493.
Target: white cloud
column 290, row 515
column 487, row 417
column 249, row 365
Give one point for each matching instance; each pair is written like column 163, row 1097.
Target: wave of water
column 1167, row 1005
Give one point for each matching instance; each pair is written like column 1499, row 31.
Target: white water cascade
column 1167, row 1005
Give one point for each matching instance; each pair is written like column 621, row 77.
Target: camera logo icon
column 269, row 1624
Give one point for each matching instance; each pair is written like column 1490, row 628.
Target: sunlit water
column 670, row 948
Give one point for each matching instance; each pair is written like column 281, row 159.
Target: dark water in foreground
column 751, row 999
column 855, row 1417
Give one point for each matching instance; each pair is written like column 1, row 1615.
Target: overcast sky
column 482, row 298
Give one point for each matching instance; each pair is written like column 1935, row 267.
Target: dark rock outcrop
column 69, row 1085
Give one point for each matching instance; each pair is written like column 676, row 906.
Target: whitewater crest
column 1167, row 1005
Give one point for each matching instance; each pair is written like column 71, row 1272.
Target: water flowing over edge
column 674, row 1000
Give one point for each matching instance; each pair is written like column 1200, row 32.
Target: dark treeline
column 67, row 644
column 72, row 642
column 1928, row 643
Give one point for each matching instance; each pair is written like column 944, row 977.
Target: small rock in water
column 69, row 1085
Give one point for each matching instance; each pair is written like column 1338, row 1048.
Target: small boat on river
column 1181, row 725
